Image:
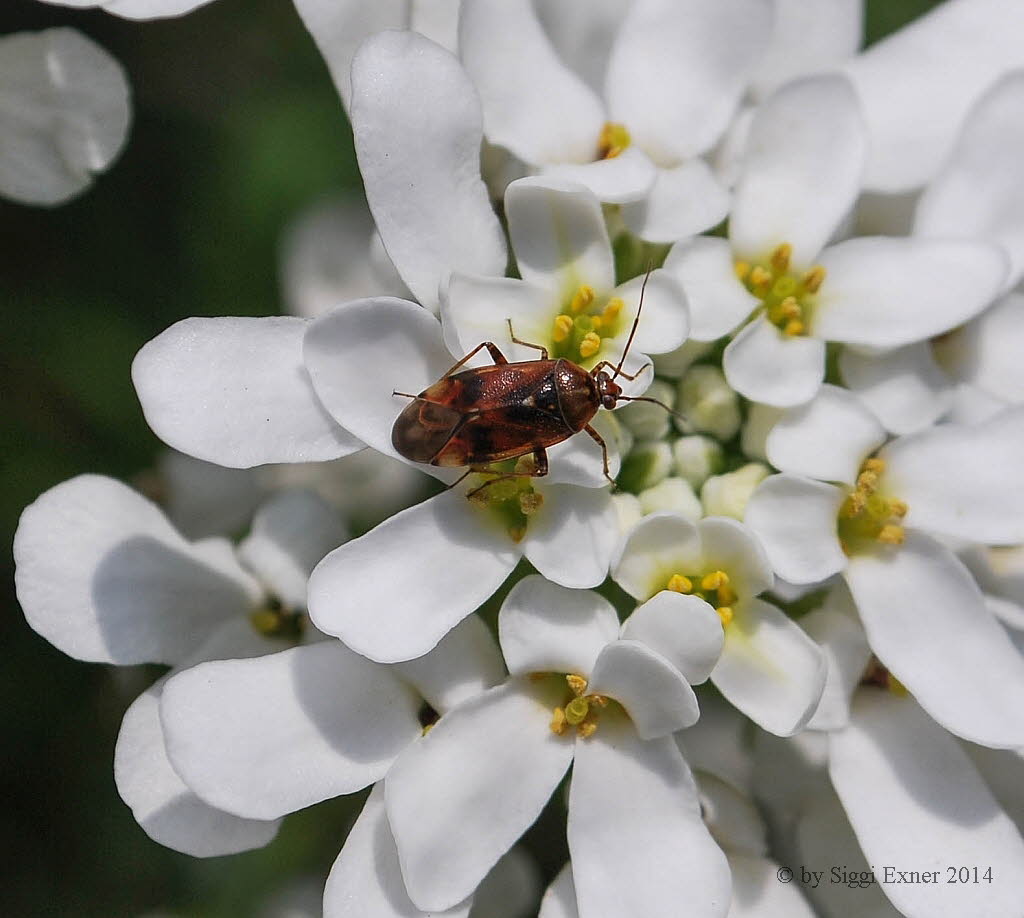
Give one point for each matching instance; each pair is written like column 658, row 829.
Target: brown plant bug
column 488, row 414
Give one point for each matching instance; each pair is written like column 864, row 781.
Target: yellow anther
column 874, row 465
column 265, row 621
column 813, row 279
column 759, row 277
column 854, row 504
column 891, row 534
column 516, row 533
column 789, row 308
column 530, row 502
column 742, row 269
column 428, row 728
column 793, row 328
column 563, row 328
column 587, row 729
column 576, row 711
column 725, row 613
column 612, row 308
column 895, row 686
column 898, row 507
column 714, row 580
column 726, row 593
column 577, row 684
column 613, row 139
column 677, row 583
column 590, row 344
column 582, row 298
column 780, row 257
column 558, row 721
column 599, row 700
column 867, row 481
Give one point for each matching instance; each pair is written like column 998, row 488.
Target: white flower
column 728, row 494
column 104, row 576
column 64, row 114
column 800, row 177
column 923, row 612
column 768, row 668
column 605, row 705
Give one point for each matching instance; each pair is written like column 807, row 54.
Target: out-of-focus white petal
column 758, row 893
column 64, row 114
column 918, row 84
column 658, row 546
column 622, row 179
column 438, row 20
column 795, row 519
column 393, row 593
column 638, row 843
column 846, row 650
column 102, row 575
column 927, row 622
column 731, row 817
column 963, row 480
column 507, row 762
column 560, row 899
column 764, row 365
column 511, row 890
column 166, row 809
column 677, row 71
column 418, row 128
column 769, row 668
column 808, row 38
column 894, row 766
column 533, row 104
column 582, row 32
column 203, row 499
column 559, row 236
column 664, row 319
column 268, row 736
column 234, row 391
column 137, row 9
column 290, row 533
column 885, row 292
column 685, row 630
column 718, row 301
column 828, row 438
column 684, row 200
column 802, row 171
column 546, row 628
column 904, row 388
column 654, row 694
column 719, row 743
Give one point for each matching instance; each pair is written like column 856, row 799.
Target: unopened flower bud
column 709, row 403
column 760, row 420
column 647, row 421
column 672, row 494
column 645, row 466
column 727, row 495
column 675, row 363
column 697, row 458
column 628, row 509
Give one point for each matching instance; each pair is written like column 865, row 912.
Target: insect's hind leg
column 496, row 355
column 599, row 440
column 539, row 470
column 540, row 347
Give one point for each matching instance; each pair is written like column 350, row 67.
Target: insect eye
column 608, row 401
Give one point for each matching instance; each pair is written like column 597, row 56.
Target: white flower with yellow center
column 787, row 292
column 104, row 576
column 577, row 695
column 924, row 614
column 766, row 665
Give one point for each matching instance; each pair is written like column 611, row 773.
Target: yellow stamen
column 613, row 139
column 780, row 257
column 759, row 277
column 586, row 729
column 896, row 687
column 725, row 613
column 813, row 279
column 793, row 328
column 581, row 299
column 577, row 684
column 612, row 309
column 265, row 621
column 867, row 481
column 677, row 583
column 563, row 327
column 516, row 533
column 898, row 507
column 714, row 580
column 427, row 729
column 576, row 711
column 530, row 502
column 590, row 344
column 558, row 721
column 874, row 465
column 742, row 269
column 891, row 534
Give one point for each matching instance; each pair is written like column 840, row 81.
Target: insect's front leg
column 607, row 363
column 496, row 355
column 540, row 347
column 599, row 440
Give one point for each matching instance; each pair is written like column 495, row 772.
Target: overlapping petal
column 764, row 365
column 684, row 200
column 685, row 630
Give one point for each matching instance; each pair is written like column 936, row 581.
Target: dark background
column 236, row 128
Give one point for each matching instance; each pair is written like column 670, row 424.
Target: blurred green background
column 237, row 127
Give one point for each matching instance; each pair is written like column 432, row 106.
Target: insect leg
column 597, row 438
column 608, row 363
column 497, row 356
column 540, row 347
column 539, row 470
column 540, row 463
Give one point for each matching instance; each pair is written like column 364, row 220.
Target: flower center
column 586, row 320
column 580, row 710
column 274, row 620
column 867, row 516
column 714, row 588
column 613, row 139
column 787, row 299
column 506, row 491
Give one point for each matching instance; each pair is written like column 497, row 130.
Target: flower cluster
column 789, row 633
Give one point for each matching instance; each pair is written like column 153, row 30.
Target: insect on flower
column 488, row 414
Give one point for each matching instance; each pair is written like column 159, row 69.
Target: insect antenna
column 636, row 322
column 643, row 398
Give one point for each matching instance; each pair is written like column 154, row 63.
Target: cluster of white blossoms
column 790, row 640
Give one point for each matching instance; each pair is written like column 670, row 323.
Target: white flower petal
column 795, row 519
column 418, row 128
column 638, row 843
column 166, row 809
column 560, row 899
column 290, row 533
column 533, row 104
column 904, row 388
column 268, row 736
column 654, row 694
column 685, row 630
column 731, row 816
column 963, row 480
column 546, row 628
column 927, row 622
column 582, row 32
column 805, row 157
column 665, row 317
column 624, row 178
column 64, row 114
column 234, row 391
column 359, row 353
column 758, row 893
column 828, row 438
column 718, row 301
column 511, row 890
column 684, row 200
column 366, row 879
column 559, row 236
column 769, row 668
column 846, row 649
column 885, row 292
column 572, row 537
column 451, row 832
column 137, row 9
column 393, row 593
column 764, row 365
column 893, row 766
column 719, row 743
column 103, row 576
column 579, row 460
column 203, row 499
column 657, row 547
column 918, row 84
column 677, row 71
column 730, row 546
